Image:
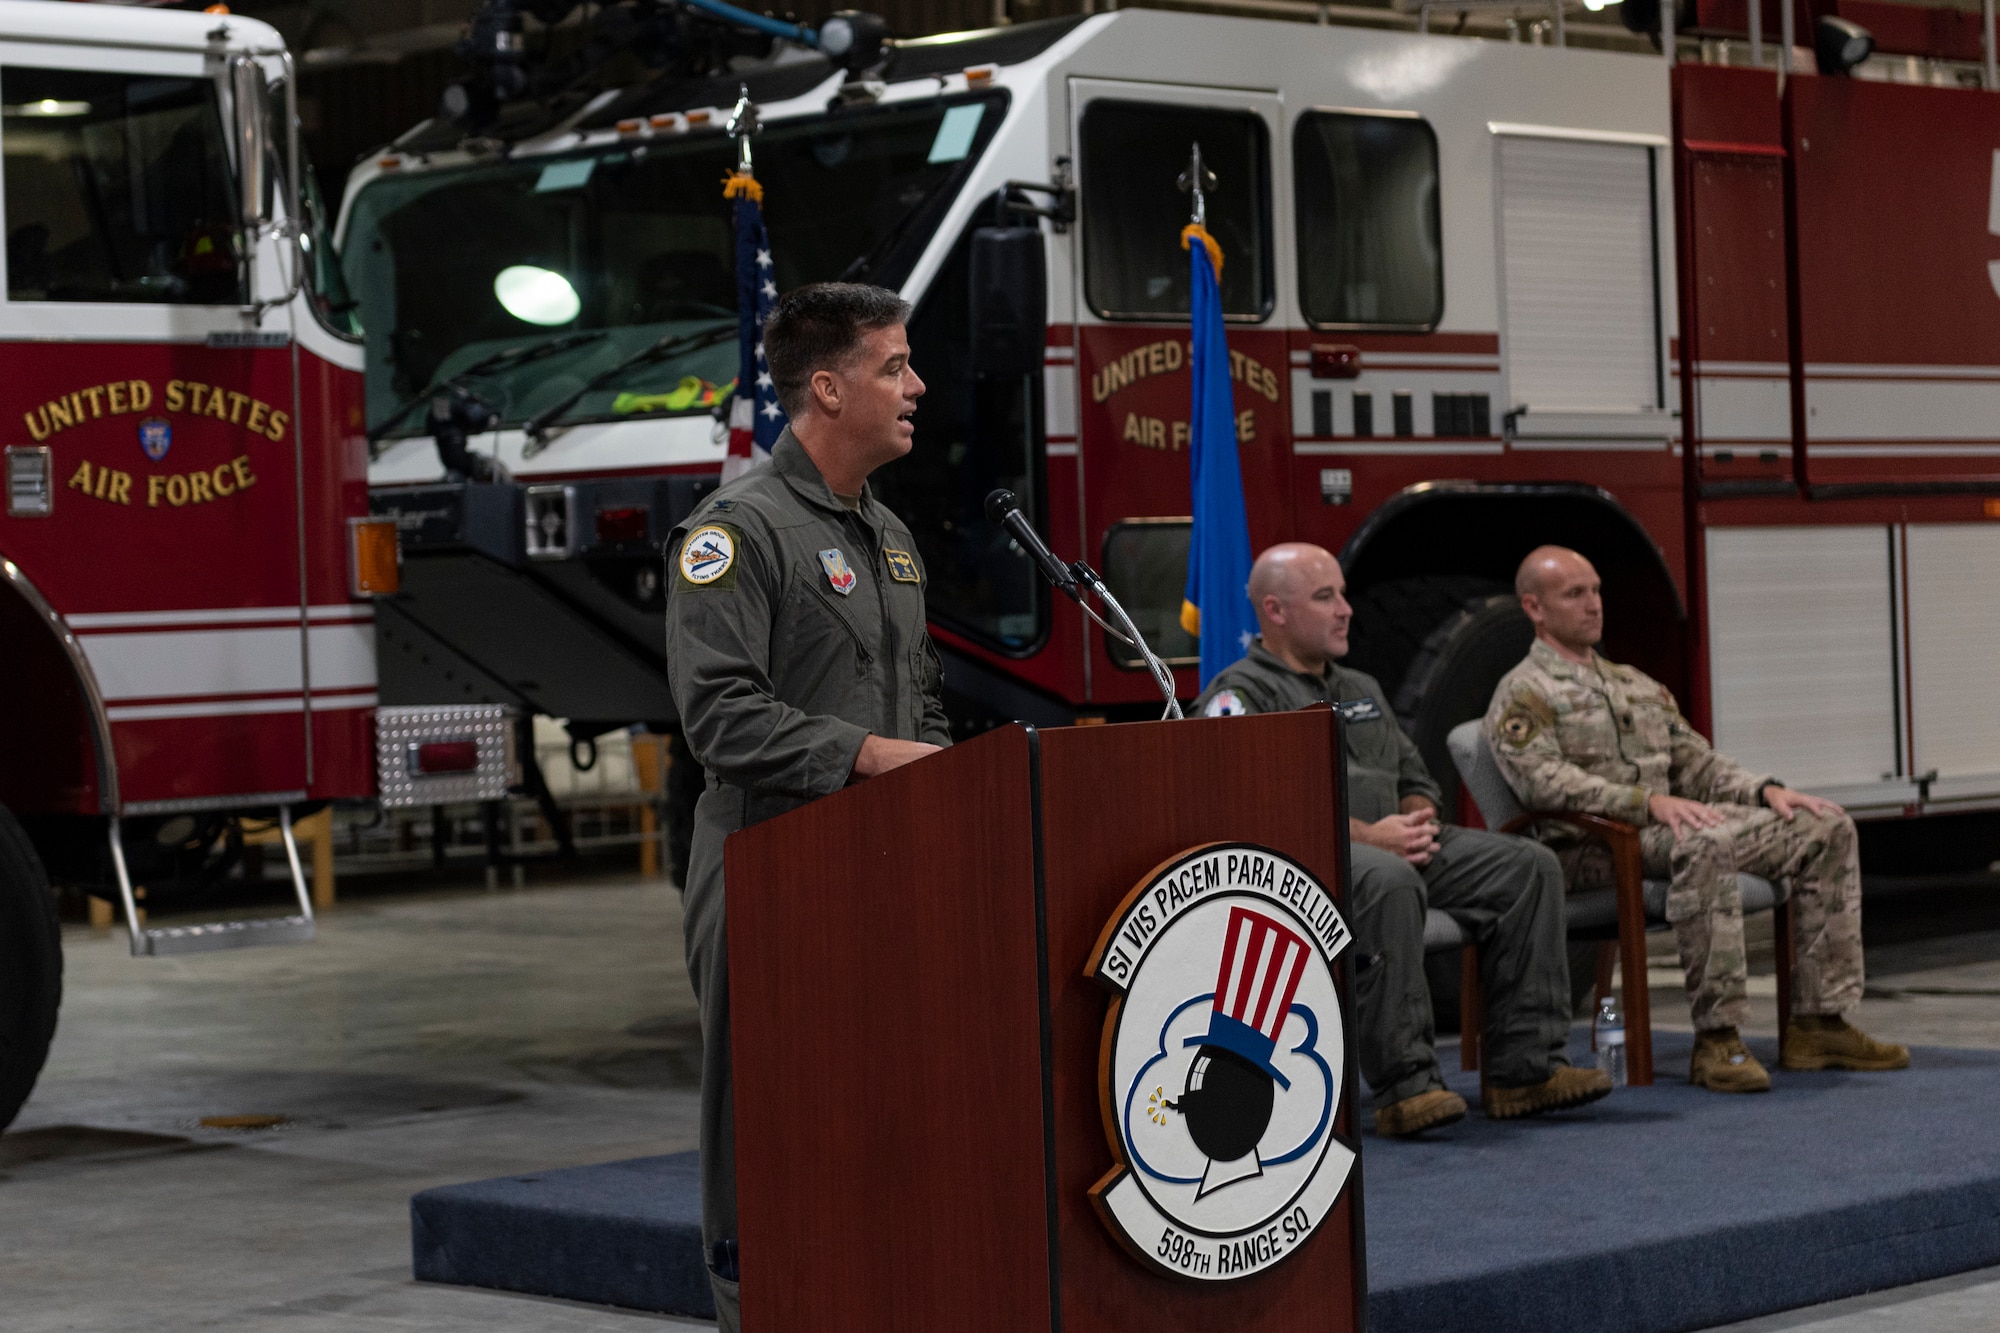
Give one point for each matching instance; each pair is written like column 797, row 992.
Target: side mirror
column 1010, row 302
column 251, row 100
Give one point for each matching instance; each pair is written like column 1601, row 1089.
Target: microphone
column 1003, row 509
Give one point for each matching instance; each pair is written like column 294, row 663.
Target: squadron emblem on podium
column 1222, row 1062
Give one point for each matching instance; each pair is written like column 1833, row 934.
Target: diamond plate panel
column 399, row 731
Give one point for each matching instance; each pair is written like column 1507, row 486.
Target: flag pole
column 1215, row 608
column 754, row 416
column 743, row 124
column 1197, row 180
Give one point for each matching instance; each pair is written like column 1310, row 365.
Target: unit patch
column 708, row 557
column 1519, row 725
column 1222, row 1063
column 837, row 571
column 902, row 565
column 1226, row 703
column 156, row 436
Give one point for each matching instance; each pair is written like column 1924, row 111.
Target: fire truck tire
column 30, row 966
column 1394, row 619
column 1451, row 679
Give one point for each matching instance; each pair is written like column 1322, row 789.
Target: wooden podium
column 916, row 1043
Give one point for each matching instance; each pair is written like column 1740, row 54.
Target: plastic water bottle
column 1610, row 1033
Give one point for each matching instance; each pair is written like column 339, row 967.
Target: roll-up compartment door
column 1955, row 658
column 1802, row 658
column 1579, row 280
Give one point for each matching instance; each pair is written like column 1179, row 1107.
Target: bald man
column 1573, row 731
column 1506, row 892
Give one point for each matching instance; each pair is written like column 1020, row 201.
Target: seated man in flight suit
column 1507, row 892
column 1572, row 731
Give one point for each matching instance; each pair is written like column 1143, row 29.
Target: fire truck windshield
column 118, row 188
column 450, row 267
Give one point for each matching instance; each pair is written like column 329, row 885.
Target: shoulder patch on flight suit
column 1226, row 703
column 902, row 565
column 723, row 506
column 1524, row 719
column 708, row 556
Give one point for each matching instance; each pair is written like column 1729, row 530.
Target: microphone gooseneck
column 1003, row 509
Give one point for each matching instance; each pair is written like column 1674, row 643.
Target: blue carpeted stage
column 1660, row 1209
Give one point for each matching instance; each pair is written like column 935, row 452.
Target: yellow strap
column 744, row 184
column 1191, row 618
column 1194, row 229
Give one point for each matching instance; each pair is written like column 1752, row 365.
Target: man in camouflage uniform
column 1507, row 892
column 796, row 646
column 1572, row 731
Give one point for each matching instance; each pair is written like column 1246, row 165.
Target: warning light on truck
column 375, row 565
column 444, row 757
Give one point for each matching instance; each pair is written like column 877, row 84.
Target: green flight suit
column 1507, row 892
column 795, row 629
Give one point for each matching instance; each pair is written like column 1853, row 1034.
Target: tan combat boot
column 1828, row 1041
column 1722, row 1064
column 1413, row 1115
column 1567, row 1087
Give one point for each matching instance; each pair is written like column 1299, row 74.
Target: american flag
column 755, row 419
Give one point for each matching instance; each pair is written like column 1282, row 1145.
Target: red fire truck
column 1724, row 328
column 1729, row 326
column 185, row 630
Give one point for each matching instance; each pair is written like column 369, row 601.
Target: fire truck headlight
column 1840, row 45
column 536, row 295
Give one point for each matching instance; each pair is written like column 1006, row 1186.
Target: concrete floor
column 424, row 1040
column 446, row 1036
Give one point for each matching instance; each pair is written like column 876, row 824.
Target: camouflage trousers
column 1816, row 854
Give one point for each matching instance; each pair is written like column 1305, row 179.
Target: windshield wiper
column 503, row 360
column 869, row 260
column 669, row 346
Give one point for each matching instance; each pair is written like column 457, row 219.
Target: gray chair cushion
column 1441, row 932
column 1759, row 894
column 1595, row 912
column 1498, row 805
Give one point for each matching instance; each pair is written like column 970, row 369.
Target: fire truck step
column 158, row 942
column 227, row 935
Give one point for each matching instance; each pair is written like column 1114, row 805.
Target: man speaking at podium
column 1508, row 892
column 796, row 646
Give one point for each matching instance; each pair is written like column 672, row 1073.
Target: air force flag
column 1216, row 605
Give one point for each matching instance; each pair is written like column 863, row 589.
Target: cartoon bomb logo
column 1222, row 1063
column 1231, row 1083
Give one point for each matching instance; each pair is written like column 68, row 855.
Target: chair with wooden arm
column 1618, row 917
